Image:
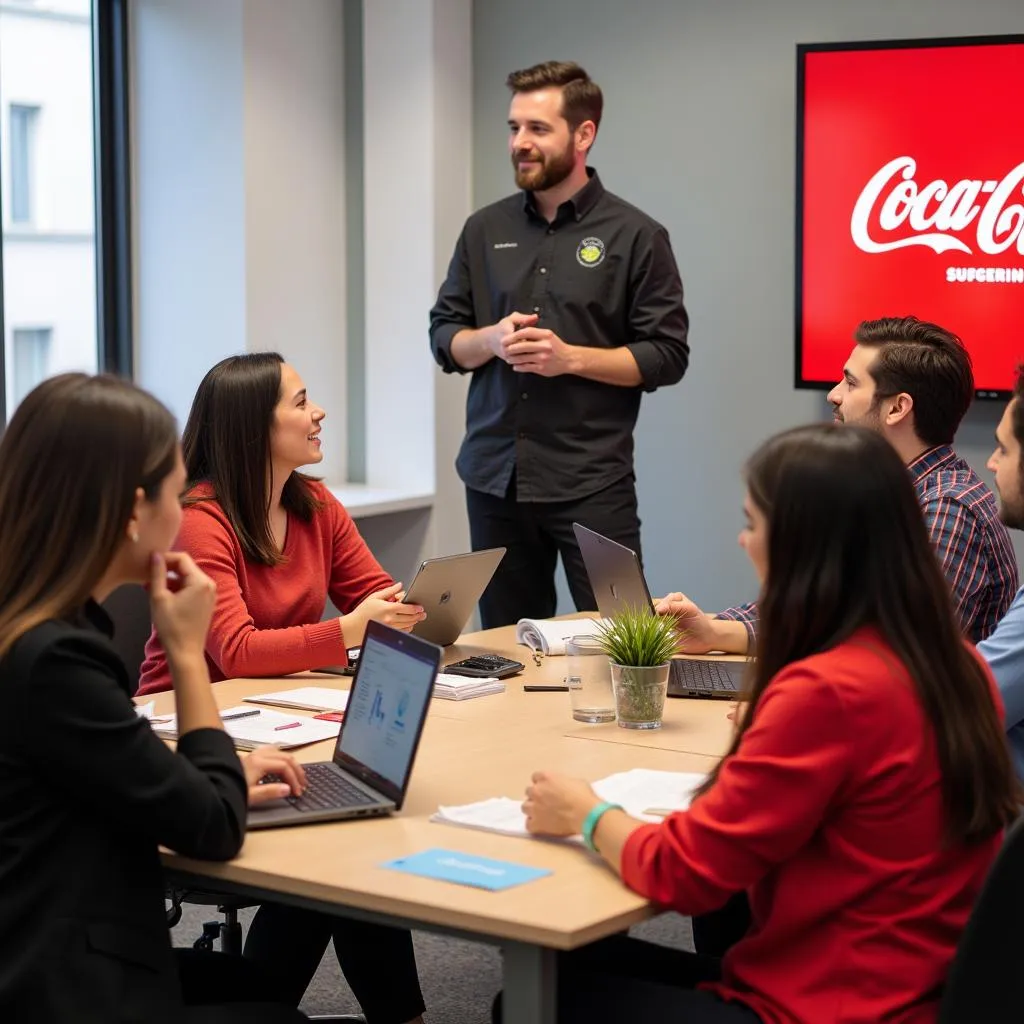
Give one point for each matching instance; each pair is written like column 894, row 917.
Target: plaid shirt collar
column 928, row 462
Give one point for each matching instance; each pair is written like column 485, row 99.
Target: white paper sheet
column 452, row 687
column 262, row 729
column 638, row 791
column 309, row 698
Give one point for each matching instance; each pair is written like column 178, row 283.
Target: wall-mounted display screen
column 910, row 198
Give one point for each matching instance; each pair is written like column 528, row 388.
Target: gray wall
column 698, row 131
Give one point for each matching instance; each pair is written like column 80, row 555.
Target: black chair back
column 982, row 986
column 128, row 606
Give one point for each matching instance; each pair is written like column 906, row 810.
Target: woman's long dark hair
column 847, row 547
column 226, row 444
column 71, row 460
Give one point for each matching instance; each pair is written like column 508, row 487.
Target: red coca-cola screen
column 910, row 181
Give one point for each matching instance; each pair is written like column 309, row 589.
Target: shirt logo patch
column 590, row 252
column 506, row 245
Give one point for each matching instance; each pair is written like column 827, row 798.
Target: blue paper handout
column 466, row 869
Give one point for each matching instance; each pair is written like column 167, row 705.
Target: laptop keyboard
column 702, row 675
column 327, row 789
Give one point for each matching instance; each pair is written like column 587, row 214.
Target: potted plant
column 639, row 646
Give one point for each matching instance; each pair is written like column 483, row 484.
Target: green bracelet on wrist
column 591, row 820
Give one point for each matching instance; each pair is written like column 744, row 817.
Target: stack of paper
column 549, row 635
column 642, row 792
column 309, row 698
column 259, row 728
column 452, row 687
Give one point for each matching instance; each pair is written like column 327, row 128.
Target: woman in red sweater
column 277, row 543
column 865, row 792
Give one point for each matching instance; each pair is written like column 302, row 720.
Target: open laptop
column 373, row 758
column 617, row 580
column 448, row 588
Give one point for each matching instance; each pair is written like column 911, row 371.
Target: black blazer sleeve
column 79, row 730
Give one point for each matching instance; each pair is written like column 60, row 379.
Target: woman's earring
column 134, row 536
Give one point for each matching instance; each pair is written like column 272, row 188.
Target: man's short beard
column 551, row 173
column 1012, row 514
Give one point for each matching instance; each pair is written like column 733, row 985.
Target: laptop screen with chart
column 374, row 754
column 385, row 715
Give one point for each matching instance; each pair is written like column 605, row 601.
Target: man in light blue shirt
column 1004, row 648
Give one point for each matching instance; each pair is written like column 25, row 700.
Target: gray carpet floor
column 459, row 979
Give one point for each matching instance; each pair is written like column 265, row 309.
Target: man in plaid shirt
column 1004, row 649
column 911, row 381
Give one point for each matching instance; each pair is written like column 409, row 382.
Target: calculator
column 484, row 666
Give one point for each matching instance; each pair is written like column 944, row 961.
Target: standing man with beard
column 565, row 303
column 1004, row 649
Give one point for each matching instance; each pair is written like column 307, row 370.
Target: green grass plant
column 638, row 638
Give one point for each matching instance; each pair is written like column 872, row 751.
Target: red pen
column 287, row 725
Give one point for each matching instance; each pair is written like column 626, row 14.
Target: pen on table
column 532, row 688
column 239, row 714
column 660, row 812
column 287, row 725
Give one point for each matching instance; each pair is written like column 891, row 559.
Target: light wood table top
column 692, row 726
column 471, row 750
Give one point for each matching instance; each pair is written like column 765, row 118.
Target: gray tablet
column 449, row 588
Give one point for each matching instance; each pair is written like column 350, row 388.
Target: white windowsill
column 366, row 500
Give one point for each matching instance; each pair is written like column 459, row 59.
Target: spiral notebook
column 549, row 635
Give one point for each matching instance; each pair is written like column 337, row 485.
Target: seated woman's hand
column 386, row 606
column 557, row 805
column 181, row 599
column 696, row 628
column 289, row 775
column 737, row 712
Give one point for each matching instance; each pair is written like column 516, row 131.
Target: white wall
column 699, row 131
column 239, row 184
column 188, row 163
column 418, row 166
column 399, row 79
column 240, row 220
column 294, row 200
column 453, row 201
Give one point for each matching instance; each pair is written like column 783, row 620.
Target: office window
column 31, row 350
column 22, row 123
column 63, row 160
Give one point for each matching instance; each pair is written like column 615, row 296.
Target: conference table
column 471, row 750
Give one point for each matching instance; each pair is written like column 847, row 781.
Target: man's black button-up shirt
column 601, row 274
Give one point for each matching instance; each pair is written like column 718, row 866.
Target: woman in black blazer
column 90, row 475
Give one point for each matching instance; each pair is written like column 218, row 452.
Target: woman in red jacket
column 277, row 544
column 864, row 794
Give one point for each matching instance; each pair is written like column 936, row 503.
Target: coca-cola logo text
column 938, row 213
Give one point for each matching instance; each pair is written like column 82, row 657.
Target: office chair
column 982, row 984
column 128, row 608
